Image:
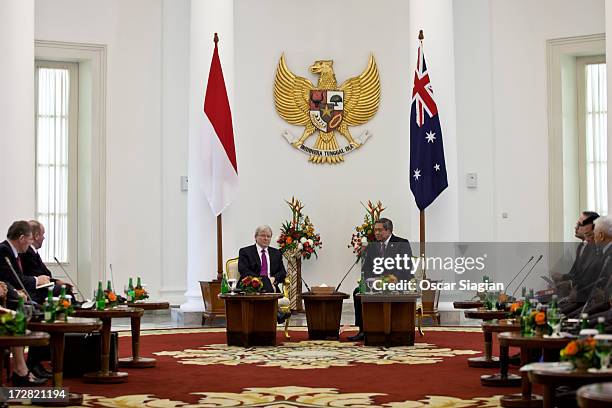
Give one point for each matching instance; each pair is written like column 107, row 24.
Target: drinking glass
column 603, row 350
column 28, row 310
column 233, row 282
column 554, row 321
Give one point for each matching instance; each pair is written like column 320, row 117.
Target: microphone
column 528, row 273
column 8, row 262
column 346, row 274
column 519, row 272
column 305, row 284
column 69, row 277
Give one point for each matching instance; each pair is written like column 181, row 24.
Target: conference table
column 251, row 318
column 323, row 313
column 467, row 304
column 57, row 330
column 388, row 319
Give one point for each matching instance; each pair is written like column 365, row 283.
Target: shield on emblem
column 326, row 107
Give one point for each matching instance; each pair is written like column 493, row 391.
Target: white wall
column 146, row 148
column 487, row 61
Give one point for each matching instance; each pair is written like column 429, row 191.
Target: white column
column 16, row 111
column 207, row 17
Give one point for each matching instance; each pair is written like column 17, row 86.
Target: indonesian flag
column 223, row 182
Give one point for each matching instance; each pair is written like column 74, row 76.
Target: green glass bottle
column 362, row 285
column 131, row 294
column 584, row 321
column 525, row 326
column 523, row 292
column 601, row 328
column 62, row 299
column 49, row 307
column 100, row 298
column 109, row 286
column 138, row 283
column 20, row 318
column 224, row 285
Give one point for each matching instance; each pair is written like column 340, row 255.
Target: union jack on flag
column 427, row 166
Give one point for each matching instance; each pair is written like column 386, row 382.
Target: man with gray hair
column 262, row 261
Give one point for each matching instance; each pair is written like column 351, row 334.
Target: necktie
column 264, row 263
column 19, row 263
column 382, row 249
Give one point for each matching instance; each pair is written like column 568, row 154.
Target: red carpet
column 378, row 377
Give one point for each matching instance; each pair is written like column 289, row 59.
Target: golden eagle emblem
column 326, row 107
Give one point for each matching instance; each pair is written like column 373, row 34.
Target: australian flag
column 427, row 166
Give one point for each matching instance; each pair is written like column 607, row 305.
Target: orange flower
column 540, row 318
column 112, row 297
column 571, row 349
column 590, row 342
column 65, row 303
column 139, row 292
column 289, row 240
column 514, row 307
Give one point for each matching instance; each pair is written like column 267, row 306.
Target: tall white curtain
column 596, row 138
column 52, row 160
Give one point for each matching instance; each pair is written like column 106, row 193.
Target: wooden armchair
column 284, row 305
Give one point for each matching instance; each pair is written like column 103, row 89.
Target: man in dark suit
column 19, row 238
column 262, row 261
column 386, row 246
column 33, row 265
column 586, row 254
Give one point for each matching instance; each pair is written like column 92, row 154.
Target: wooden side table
column 251, row 319
column 502, row 379
column 486, row 361
column 57, row 330
column 467, row 304
column 388, row 319
column 323, row 313
column 136, row 361
column 105, row 376
column 552, row 379
column 595, row 395
column 550, row 348
column 31, row 338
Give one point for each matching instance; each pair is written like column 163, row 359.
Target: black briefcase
column 82, row 353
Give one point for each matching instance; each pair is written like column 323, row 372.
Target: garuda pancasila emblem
column 327, row 107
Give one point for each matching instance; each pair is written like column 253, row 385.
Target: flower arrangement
column 299, row 234
column 364, row 233
column 63, row 309
column 516, row 308
column 251, row 284
column 140, row 294
column 8, row 324
column 580, row 353
column 538, row 322
column 111, row 298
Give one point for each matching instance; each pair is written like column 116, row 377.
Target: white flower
column 310, row 242
column 303, row 239
column 364, row 241
column 300, row 247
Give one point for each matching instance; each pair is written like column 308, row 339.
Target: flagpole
column 219, row 248
column 422, row 212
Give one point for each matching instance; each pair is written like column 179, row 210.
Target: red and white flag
column 218, row 130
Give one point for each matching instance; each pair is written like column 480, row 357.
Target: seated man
column 262, row 261
column 586, row 253
column 387, row 246
column 33, row 264
column 19, row 239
